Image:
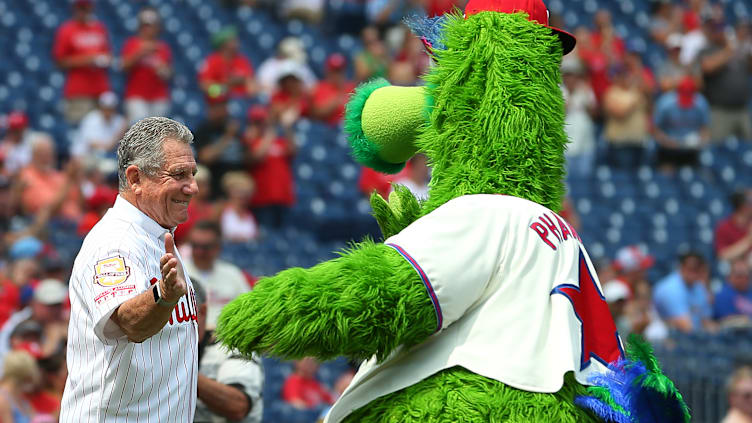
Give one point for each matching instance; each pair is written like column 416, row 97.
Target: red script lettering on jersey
column 552, row 228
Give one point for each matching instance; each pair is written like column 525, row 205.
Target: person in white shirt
column 100, row 129
column 229, row 385
column 133, row 339
column 290, row 53
column 222, row 281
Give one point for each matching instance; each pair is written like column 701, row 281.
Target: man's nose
column 192, row 188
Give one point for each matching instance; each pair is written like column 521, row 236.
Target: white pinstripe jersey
column 111, row 379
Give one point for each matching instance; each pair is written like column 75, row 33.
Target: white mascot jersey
column 515, row 295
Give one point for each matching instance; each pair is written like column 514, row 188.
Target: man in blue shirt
column 681, row 120
column 681, row 298
column 735, row 297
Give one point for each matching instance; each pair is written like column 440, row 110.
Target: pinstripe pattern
column 111, row 379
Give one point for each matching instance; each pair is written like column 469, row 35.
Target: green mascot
column 481, row 305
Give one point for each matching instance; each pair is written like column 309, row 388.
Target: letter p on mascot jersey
column 482, row 304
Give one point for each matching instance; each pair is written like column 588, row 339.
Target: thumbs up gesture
column 172, row 286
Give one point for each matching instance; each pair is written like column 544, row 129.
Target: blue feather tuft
column 631, row 387
column 429, row 30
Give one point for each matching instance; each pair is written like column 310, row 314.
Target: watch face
column 156, row 294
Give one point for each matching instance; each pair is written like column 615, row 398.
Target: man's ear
column 133, row 176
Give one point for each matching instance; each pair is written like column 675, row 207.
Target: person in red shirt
column 81, row 48
column 270, row 158
column 331, row 94
column 147, row 63
column 227, row 70
column 302, row 390
column 733, row 237
column 291, row 97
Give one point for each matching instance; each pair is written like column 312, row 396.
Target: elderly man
column 132, row 350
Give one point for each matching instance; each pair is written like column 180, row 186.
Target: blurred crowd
column 619, row 111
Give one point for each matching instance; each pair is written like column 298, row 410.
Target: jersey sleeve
column 461, row 257
column 111, row 278
column 246, row 373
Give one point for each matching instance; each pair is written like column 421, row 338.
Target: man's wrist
column 159, row 297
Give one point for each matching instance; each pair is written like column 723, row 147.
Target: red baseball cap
column 686, row 92
column 536, row 11
column 17, row 121
column 335, row 61
column 258, row 113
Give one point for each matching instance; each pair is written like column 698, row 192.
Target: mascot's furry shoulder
column 481, row 304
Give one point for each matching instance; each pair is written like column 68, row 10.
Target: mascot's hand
column 401, row 210
column 368, row 301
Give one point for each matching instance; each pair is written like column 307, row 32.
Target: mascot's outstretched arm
column 365, row 302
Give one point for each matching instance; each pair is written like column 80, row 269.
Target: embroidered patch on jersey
column 114, row 292
column 111, row 271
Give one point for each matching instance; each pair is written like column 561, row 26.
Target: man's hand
column 172, row 285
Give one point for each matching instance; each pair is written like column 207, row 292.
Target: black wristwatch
column 158, row 298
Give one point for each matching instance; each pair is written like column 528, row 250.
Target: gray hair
column 142, row 145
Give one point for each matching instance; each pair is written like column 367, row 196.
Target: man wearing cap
column 132, row 350
column 681, row 120
column 332, row 93
column 100, row 129
column 147, row 61
column 15, row 148
column 82, row 49
column 270, row 156
column 46, row 311
column 227, row 70
column 290, row 48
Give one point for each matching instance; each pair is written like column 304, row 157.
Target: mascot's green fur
column 493, row 123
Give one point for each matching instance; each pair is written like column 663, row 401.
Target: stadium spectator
column 332, row 93
column 373, row 60
column 229, row 386
column 631, row 265
column 147, row 62
column 605, row 39
column 671, row 71
column 739, row 391
column 46, row 397
column 733, row 302
column 694, row 38
column 596, row 62
column 416, row 176
column 302, row 390
column 643, row 76
column 626, row 119
column 291, row 99
column 665, row 20
column 371, row 181
column 81, row 49
column 15, row 147
column 680, row 125
column 46, row 310
column 310, row 11
column 201, row 207
column 270, row 158
column 237, row 221
column 227, row 70
column 40, row 184
column 97, row 205
column 289, row 51
column 20, row 375
column 222, row 281
column 218, row 143
column 682, row 298
column 733, row 237
column 726, row 65
column 413, row 53
column 101, row 129
column 580, row 109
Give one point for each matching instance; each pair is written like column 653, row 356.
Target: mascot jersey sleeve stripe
column 426, row 282
column 491, row 259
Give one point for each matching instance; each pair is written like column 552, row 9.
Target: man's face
column 741, row 396
column 692, row 270
column 165, row 196
column 204, row 246
column 46, row 313
column 739, row 276
column 43, row 155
